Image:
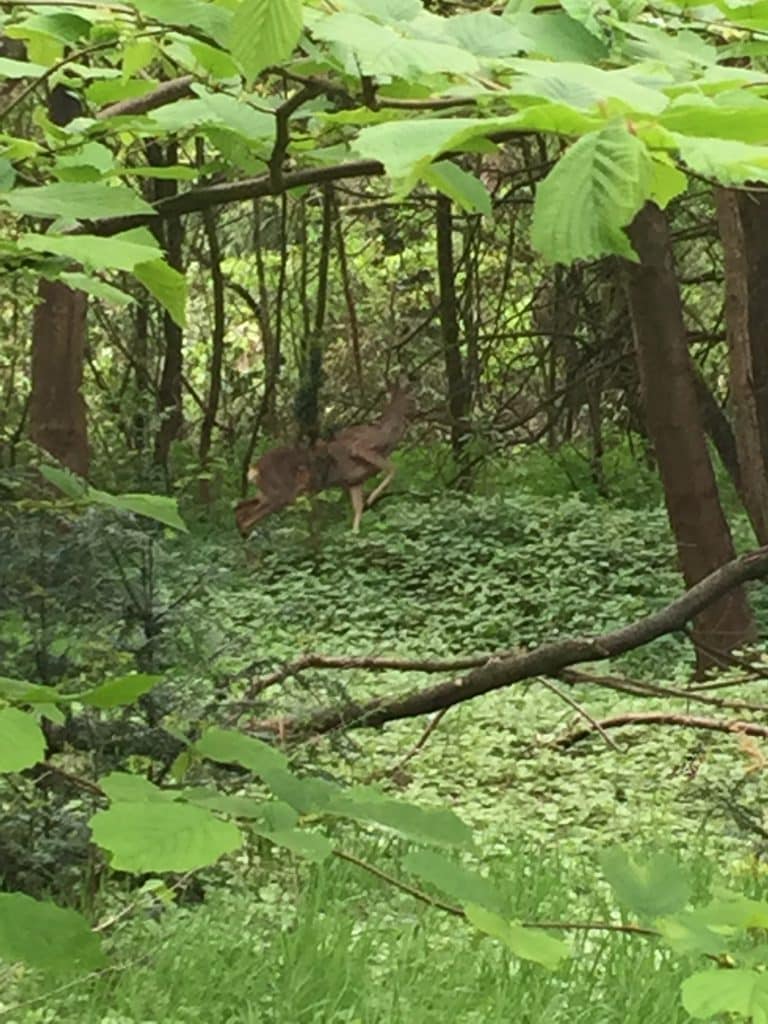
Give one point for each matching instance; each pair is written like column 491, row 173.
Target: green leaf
column 20, row 68
column 163, row 836
column 236, row 115
column 465, row 189
column 312, row 845
column 22, row 743
column 93, row 251
column 66, row 481
column 158, row 507
column 264, row 32
column 486, row 35
column 687, row 932
column 121, row 690
column 230, row 747
column 461, row 884
column 47, row 937
column 381, row 50
column 701, row 116
column 276, row 815
column 437, row 825
column 214, row 19
column 21, row 692
column 526, row 943
column 153, row 506
column 124, row 787
column 554, row 34
column 586, row 88
column 97, row 288
column 612, row 173
column 167, row 285
column 729, row 162
column 307, row 796
column 76, row 201
column 668, row 182
column 137, row 54
column 709, row 993
column 651, row 889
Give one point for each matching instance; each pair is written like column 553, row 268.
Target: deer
column 347, row 460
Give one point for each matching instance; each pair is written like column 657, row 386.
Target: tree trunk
column 458, row 389
column 169, row 391
column 57, row 419
column 719, row 430
column 675, row 426
column 57, row 415
column 746, row 335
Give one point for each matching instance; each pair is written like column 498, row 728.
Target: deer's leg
column 390, row 473
column 358, row 504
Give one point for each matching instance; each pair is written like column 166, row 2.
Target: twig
column 633, row 718
column 418, row 745
column 579, row 709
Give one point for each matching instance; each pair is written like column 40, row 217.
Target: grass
column 276, row 943
column 340, row 950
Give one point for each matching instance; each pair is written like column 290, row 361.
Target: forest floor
column 277, row 942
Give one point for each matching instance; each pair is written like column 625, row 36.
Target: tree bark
column 745, row 303
column 458, row 390
column 169, row 401
column 57, row 413
column 675, row 426
column 57, row 417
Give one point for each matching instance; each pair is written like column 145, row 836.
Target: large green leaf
column 651, row 889
column 159, row 836
column 264, row 32
column 76, row 201
column 159, row 507
column 706, row 119
column 22, row 743
column 455, row 880
column 727, row 161
column 611, row 172
column 167, row 285
column 20, row 68
column 20, row 691
column 45, row 936
column 275, row 815
column 709, row 993
column 526, row 943
column 153, row 506
column 486, row 34
column 383, row 50
column 312, row 845
column 231, row 747
column 236, row 115
column 437, row 825
column 212, row 18
column 585, row 87
column 121, row 690
column 125, row 787
column 93, row 251
column 466, row 190
column 97, row 288
column 554, row 34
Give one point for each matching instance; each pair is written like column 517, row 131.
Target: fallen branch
column 634, row 718
column 547, row 660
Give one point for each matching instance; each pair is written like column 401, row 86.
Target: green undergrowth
column 336, row 947
column 277, row 942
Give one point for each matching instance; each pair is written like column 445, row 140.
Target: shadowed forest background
column 501, row 754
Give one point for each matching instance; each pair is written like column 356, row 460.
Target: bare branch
column 547, row 660
column 634, row 718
